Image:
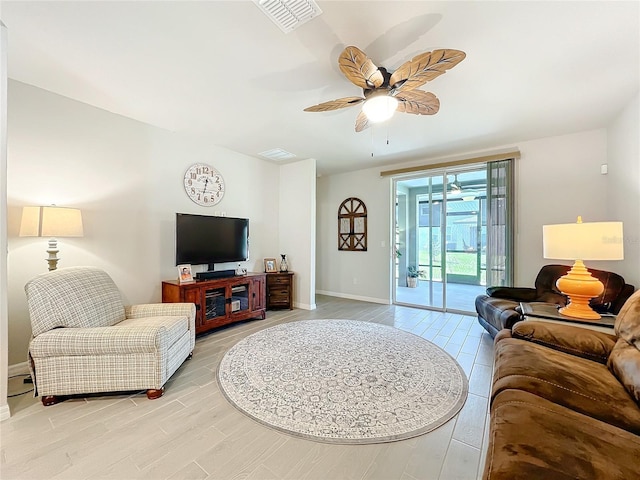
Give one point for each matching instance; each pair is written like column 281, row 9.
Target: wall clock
column 204, row 184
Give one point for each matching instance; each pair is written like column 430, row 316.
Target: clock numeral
column 193, row 175
column 193, row 191
column 190, row 182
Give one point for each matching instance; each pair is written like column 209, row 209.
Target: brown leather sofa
column 500, row 307
column 565, row 401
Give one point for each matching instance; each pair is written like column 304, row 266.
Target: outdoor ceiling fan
column 386, row 92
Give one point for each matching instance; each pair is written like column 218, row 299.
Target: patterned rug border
column 454, row 410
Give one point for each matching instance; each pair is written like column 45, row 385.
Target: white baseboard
column 360, row 298
column 304, row 306
column 18, row 369
column 4, row 412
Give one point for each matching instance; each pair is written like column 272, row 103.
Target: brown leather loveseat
column 500, row 307
column 565, row 401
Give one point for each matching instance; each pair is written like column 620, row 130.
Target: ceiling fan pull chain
column 371, row 130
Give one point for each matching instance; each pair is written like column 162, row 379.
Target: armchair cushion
column 160, row 309
column 170, row 329
column 87, row 298
column 95, row 341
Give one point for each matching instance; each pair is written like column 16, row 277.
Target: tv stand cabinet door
column 194, row 295
column 258, row 294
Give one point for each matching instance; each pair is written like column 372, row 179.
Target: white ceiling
column 224, row 70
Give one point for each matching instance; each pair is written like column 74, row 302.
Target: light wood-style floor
column 192, row 432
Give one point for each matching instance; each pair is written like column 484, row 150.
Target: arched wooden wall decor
column 352, row 225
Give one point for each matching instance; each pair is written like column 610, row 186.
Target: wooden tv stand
column 220, row 301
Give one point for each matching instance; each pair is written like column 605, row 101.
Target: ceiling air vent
column 289, row 14
column 277, row 154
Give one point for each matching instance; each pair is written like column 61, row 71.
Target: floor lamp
column 52, row 222
column 582, row 241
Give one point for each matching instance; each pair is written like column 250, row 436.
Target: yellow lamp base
column 580, row 286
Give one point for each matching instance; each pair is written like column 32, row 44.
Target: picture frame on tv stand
column 185, row 274
column 270, row 265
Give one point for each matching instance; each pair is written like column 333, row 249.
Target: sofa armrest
column 161, row 310
column 577, row 341
column 517, row 294
column 97, row 341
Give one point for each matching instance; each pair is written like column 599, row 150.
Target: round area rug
column 343, row 381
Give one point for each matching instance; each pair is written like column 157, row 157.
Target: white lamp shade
column 583, row 241
column 380, row 108
column 51, row 222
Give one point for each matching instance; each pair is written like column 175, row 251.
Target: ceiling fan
column 386, row 92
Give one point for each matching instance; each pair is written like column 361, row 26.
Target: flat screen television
column 207, row 239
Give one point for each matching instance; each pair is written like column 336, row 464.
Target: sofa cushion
column 571, row 339
column 627, row 324
column 624, row 360
column 77, row 297
column 534, row 439
column 582, row 385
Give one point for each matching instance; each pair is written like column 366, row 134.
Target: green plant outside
column 459, row 263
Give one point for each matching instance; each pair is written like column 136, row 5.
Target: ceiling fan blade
column 335, row 104
column 362, row 122
column 417, row 102
column 359, row 68
column 424, row 68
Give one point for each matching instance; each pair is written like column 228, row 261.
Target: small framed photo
column 184, row 274
column 270, row 265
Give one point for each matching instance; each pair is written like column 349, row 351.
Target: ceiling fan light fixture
column 379, row 108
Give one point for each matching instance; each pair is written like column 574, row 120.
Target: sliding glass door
column 441, row 237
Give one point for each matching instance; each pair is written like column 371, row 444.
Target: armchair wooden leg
column 50, row 400
column 154, row 393
column 190, row 356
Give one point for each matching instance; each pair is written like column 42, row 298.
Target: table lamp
column 51, row 222
column 582, row 241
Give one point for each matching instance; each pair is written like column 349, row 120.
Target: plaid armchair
column 86, row 341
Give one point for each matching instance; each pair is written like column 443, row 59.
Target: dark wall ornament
column 352, row 225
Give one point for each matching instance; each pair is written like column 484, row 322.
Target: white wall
column 127, row 177
column 4, row 341
column 358, row 275
column 557, row 179
column 624, row 186
column 297, row 228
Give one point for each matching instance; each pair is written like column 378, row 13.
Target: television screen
column 207, row 239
